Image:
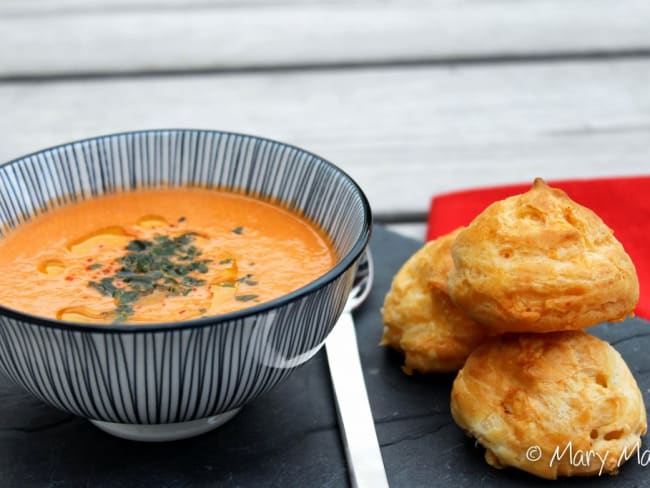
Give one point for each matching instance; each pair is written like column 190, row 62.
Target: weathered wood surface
column 415, row 231
column 100, row 37
column 411, row 97
column 404, row 133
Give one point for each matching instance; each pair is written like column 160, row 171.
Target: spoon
column 362, row 451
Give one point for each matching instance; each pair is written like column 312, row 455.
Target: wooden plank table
column 411, row 97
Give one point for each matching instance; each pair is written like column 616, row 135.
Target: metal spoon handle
column 355, row 417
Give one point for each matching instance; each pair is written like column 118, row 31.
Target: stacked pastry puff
column 504, row 302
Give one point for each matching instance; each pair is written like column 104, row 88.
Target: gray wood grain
column 404, row 134
column 416, row 231
column 114, row 36
column 66, row 7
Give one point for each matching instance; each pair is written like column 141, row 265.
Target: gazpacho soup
column 158, row 255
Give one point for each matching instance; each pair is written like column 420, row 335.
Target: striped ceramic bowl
column 175, row 380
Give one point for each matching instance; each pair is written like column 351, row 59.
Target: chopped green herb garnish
column 105, row 286
column 122, row 312
column 225, row 261
column 203, row 310
column 238, row 230
column 244, row 278
column 137, row 245
column 163, row 264
column 246, row 298
column 95, row 266
column 250, row 282
column 227, row 284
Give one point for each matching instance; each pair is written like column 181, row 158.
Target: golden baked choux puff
column 540, row 262
column 556, row 404
column 419, row 318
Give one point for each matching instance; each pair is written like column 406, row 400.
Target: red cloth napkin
column 622, row 203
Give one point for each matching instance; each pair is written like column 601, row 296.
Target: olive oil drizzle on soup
column 158, row 256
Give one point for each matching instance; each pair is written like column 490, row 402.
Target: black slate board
column 289, row 436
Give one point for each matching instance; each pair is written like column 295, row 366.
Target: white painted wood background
column 108, row 36
column 412, row 98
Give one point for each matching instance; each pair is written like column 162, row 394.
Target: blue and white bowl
column 174, row 380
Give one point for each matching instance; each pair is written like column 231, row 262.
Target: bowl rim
column 343, row 264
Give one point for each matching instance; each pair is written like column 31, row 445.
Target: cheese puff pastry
column 420, row 319
column 556, row 404
column 539, row 262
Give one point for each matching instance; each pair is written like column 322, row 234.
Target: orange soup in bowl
column 158, row 256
